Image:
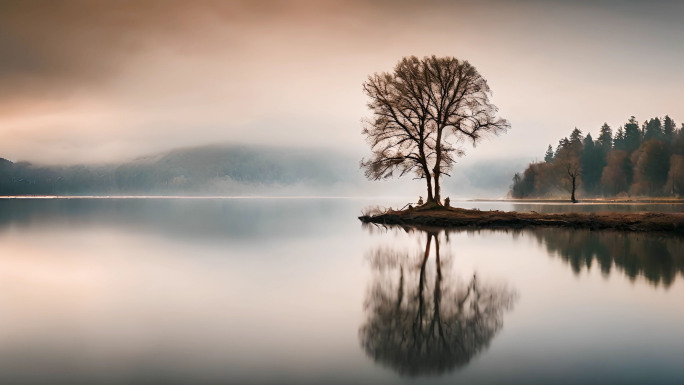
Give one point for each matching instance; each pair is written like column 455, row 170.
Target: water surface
column 297, row 291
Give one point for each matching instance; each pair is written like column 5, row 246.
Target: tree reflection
column 421, row 321
column 657, row 258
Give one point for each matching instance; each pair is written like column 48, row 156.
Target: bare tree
column 574, row 170
column 398, row 133
column 460, row 110
column 421, row 114
column 570, row 165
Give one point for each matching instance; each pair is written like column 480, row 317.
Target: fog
column 102, row 81
column 230, row 170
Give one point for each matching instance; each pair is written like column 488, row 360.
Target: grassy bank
column 449, row 217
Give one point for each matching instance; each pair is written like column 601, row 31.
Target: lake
column 260, row 291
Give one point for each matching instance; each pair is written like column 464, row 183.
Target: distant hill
column 245, row 170
column 199, row 170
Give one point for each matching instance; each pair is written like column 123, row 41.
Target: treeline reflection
column 657, row 258
column 420, row 319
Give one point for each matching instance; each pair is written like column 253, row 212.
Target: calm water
column 297, row 291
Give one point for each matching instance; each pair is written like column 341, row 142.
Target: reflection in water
column 657, row 258
column 189, row 219
column 214, row 292
column 419, row 320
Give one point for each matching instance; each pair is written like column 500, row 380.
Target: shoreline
column 589, row 201
column 450, row 217
column 95, row 197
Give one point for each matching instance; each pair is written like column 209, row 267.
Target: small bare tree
column 574, row 171
column 421, row 113
column 569, row 164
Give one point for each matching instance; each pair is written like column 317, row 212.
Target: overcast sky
column 93, row 81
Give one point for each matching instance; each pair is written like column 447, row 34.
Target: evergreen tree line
column 646, row 160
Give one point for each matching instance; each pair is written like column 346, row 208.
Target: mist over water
column 297, row 291
column 182, row 183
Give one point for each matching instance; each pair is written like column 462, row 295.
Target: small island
column 433, row 215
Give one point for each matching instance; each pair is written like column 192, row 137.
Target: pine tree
column 669, row 128
column 632, row 136
column 592, row 164
column 576, row 140
column 643, row 128
column 653, row 130
column 605, row 139
column 619, row 141
column 548, row 157
column 562, row 145
column 588, row 141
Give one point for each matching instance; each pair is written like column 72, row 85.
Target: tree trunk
column 428, row 179
column 438, row 163
column 437, row 188
column 426, row 171
column 572, row 195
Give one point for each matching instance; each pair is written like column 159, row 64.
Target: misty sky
column 93, row 81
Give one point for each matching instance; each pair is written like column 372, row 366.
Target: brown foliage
column 675, row 177
column 616, row 175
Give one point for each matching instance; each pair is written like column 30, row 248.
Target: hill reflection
column 187, row 219
column 420, row 320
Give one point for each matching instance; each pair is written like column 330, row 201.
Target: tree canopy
column 421, row 113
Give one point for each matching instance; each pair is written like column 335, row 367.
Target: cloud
column 105, row 80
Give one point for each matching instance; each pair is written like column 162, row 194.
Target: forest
column 635, row 160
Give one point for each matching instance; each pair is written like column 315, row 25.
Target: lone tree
column 568, row 160
column 421, row 113
column 574, row 170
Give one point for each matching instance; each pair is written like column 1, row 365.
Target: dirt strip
column 447, row 217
